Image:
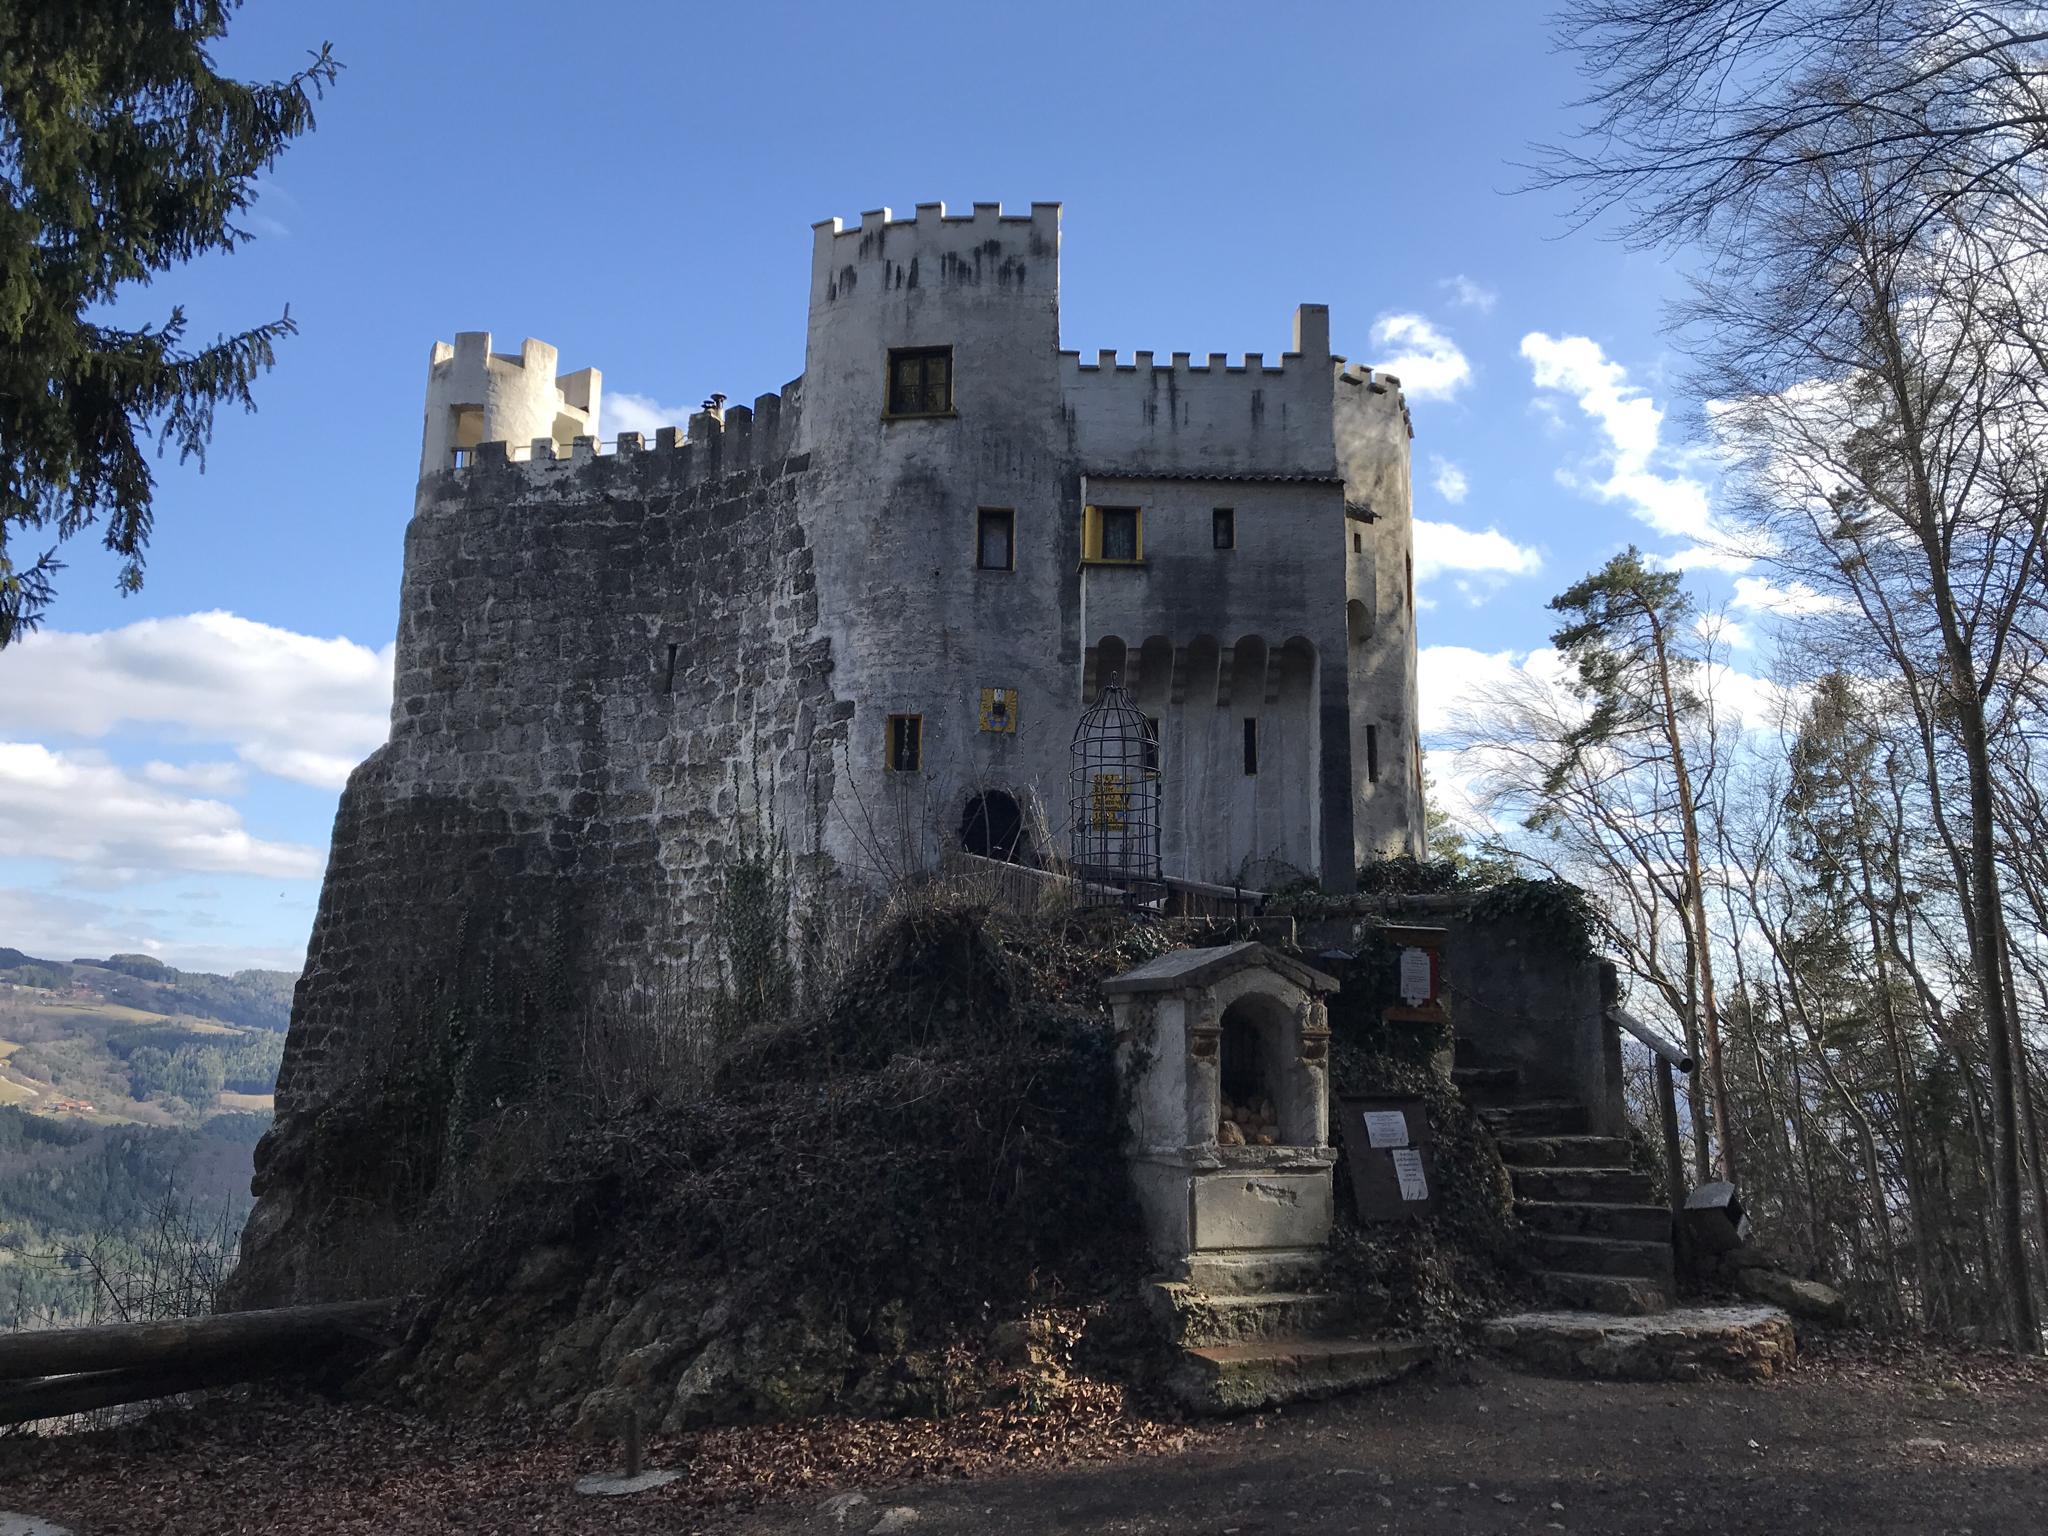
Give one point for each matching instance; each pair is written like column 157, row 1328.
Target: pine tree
column 122, row 154
column 1624, row 638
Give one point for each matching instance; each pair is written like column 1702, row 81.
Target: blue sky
column 635, row 184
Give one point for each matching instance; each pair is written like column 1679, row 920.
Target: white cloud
column 1703, row 557
column 1719, row 629
column 1792, row 600
column 1453, row 680
column 1449, row 479
column 1450, row 678
column 1467, row 294
column 623, row 412
column 79, row 808
column 288, row 704
column 206, row 778
column 1425, row 360
column 1638, row 474
column 1441, row 547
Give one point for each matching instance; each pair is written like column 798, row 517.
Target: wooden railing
column 1028, row 888
column 1200, row 898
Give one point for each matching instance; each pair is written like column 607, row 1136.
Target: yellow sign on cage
column 1109, row 802
column 999, row 711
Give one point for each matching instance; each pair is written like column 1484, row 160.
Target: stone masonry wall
column 604, row 666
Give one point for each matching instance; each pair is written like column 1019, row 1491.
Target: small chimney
column 715, row 408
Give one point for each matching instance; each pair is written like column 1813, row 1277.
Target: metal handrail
column 1670, row 1060
column 1621, row 1018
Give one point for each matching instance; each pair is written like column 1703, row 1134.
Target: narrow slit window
column 920, row 381
column 668, row 682
column 1372, row 754
column 1357, row 543
column 1223, row 527
column 906, row 743
column 995, row 539
column 1251, row 745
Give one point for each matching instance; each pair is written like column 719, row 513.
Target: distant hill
column 127, row 1088
column 130, row 1040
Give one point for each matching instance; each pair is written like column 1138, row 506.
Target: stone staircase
column 1597, row 1238
column 1236, row 1353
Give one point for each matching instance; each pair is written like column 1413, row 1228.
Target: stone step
column 1686, row 1344
column 1643, row 1223
column 1564, row 1151
column 1235, row 1378
column 1194, row 1318
column 1601, row 1256
column 1487, row 1085
column 1603, row 1186
column 1618, row 1295
column 1538, row 1117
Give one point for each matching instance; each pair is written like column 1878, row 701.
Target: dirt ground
column 1862, row 1438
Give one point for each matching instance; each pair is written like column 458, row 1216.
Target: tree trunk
column 188, row 1341
column 1710, row 1021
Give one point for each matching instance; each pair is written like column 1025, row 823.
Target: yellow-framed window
column 1113, row 535
column 905, row 740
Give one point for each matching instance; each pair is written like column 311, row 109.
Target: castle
column 991, row 528
column 870, row 609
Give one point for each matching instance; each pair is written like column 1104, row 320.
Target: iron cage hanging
column 1113, row 800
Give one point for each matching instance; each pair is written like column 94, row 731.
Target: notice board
column 1390, row 1153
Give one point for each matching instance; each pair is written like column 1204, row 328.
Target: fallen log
column 250, row 1339
column 53, row 1397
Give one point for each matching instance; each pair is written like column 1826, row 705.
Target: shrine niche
column 1225, row 1056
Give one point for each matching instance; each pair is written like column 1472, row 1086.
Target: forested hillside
column 131, row 1099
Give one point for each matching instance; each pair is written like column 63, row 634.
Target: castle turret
column 475, row 395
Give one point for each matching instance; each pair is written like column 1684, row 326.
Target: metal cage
column 1113, row 800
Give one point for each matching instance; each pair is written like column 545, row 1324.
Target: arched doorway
column 993, row 827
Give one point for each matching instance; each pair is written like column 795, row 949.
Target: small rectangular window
column 1119, row 533
column 1358, row 543
column 906, row 743
column 1251, row 745
column 920, row 381
column 1223, row 527
column 995, row 539
column 1372, row 754
column 1151, row 744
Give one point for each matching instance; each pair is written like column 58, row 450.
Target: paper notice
column 1386, row 1128
column 1408, row 1169
column 1415, row 977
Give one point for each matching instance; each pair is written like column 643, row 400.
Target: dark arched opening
column 993, row 827
column 1252, row 1076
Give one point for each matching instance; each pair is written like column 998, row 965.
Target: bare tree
column 1699, row 110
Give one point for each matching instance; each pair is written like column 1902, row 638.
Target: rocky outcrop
column 1808, row 1300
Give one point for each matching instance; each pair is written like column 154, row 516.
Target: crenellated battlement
column 933, row 216
column 715, row 444
column 475, row 394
